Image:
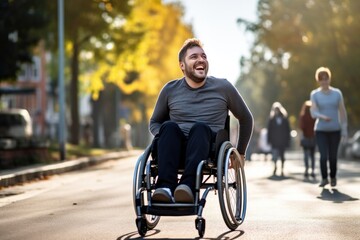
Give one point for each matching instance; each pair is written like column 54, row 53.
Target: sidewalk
column 39, row 171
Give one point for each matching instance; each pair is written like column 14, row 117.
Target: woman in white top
column 331, row 123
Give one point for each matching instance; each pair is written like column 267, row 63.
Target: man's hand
column 234, row 163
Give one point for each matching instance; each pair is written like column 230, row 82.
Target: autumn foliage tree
column 89, row 26
column 152, row 62
column 143, row 68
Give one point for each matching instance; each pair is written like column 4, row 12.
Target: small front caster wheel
column 200, row 226
column 141, row 226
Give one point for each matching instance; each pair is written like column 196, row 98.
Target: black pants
column 309, row 157
column 175, row 151
column 328, row 144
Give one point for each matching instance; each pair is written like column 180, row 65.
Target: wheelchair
column 224, row 167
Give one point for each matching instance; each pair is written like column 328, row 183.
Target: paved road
column 96, row 203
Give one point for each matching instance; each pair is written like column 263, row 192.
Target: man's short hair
column 189, row 43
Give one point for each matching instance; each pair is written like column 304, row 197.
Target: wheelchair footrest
column 170, row 210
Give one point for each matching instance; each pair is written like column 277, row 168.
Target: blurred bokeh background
column 119, row 54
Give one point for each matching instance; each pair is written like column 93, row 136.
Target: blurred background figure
column 125, row 132
column 87, row 134
column 278, row 134
column 306, row 124
column 331, row 123
column 263, row 145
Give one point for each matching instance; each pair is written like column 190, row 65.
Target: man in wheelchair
column 187, row 115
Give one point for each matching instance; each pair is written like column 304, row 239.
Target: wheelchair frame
column 230, row 182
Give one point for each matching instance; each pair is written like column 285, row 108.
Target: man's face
column 195, row 65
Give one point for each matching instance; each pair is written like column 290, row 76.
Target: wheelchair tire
column 139, row 181
column 231, row 184
column 200, row 224
column 141, row 226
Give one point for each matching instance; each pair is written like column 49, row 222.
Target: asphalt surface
column 24, row 174
column 96, row 203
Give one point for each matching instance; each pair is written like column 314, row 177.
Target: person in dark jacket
column 278, row 134
column 308, row 143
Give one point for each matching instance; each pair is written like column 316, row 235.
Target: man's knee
column 169, row 126
column 200, row 127
column 170, row 134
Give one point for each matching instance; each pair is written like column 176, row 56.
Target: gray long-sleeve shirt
column 209, row 104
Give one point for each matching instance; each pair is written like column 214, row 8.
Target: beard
column 192, row 73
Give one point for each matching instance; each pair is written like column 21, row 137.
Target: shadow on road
column 335, row 196
column 279, row 177
column 229, row 235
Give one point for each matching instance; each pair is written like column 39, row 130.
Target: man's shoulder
column 219, row 82
column 174, row 83
column 216, row 79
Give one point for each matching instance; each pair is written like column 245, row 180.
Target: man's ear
column 182, row 66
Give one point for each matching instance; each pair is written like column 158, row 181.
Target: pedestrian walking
column 278, row 134
column 263, row 145
column 331, row 123
column 307, row 142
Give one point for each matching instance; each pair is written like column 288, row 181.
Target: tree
column 20, row 25
column 143, row 68
column 300, row 36
column 148, row 65
column 90, row 26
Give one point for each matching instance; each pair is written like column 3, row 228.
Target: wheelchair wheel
column 141, row 226
column 150, row 221
column 200, row 224
column 231, row 185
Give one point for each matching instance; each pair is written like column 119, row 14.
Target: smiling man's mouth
column 200, row 68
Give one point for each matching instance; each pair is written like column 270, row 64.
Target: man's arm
column 161, row 112
column 241, row 111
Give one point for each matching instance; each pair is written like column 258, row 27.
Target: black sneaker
column 333, row 182
column 324, row 182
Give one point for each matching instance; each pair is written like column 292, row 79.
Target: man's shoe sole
column 162, row 196
column 183, row 194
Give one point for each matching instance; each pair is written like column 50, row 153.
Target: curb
column 40, row 172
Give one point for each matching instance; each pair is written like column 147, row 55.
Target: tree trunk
column 110, row 116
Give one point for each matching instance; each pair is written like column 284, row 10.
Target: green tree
column 91, row 27
column 297, row 37
column 20, row 25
